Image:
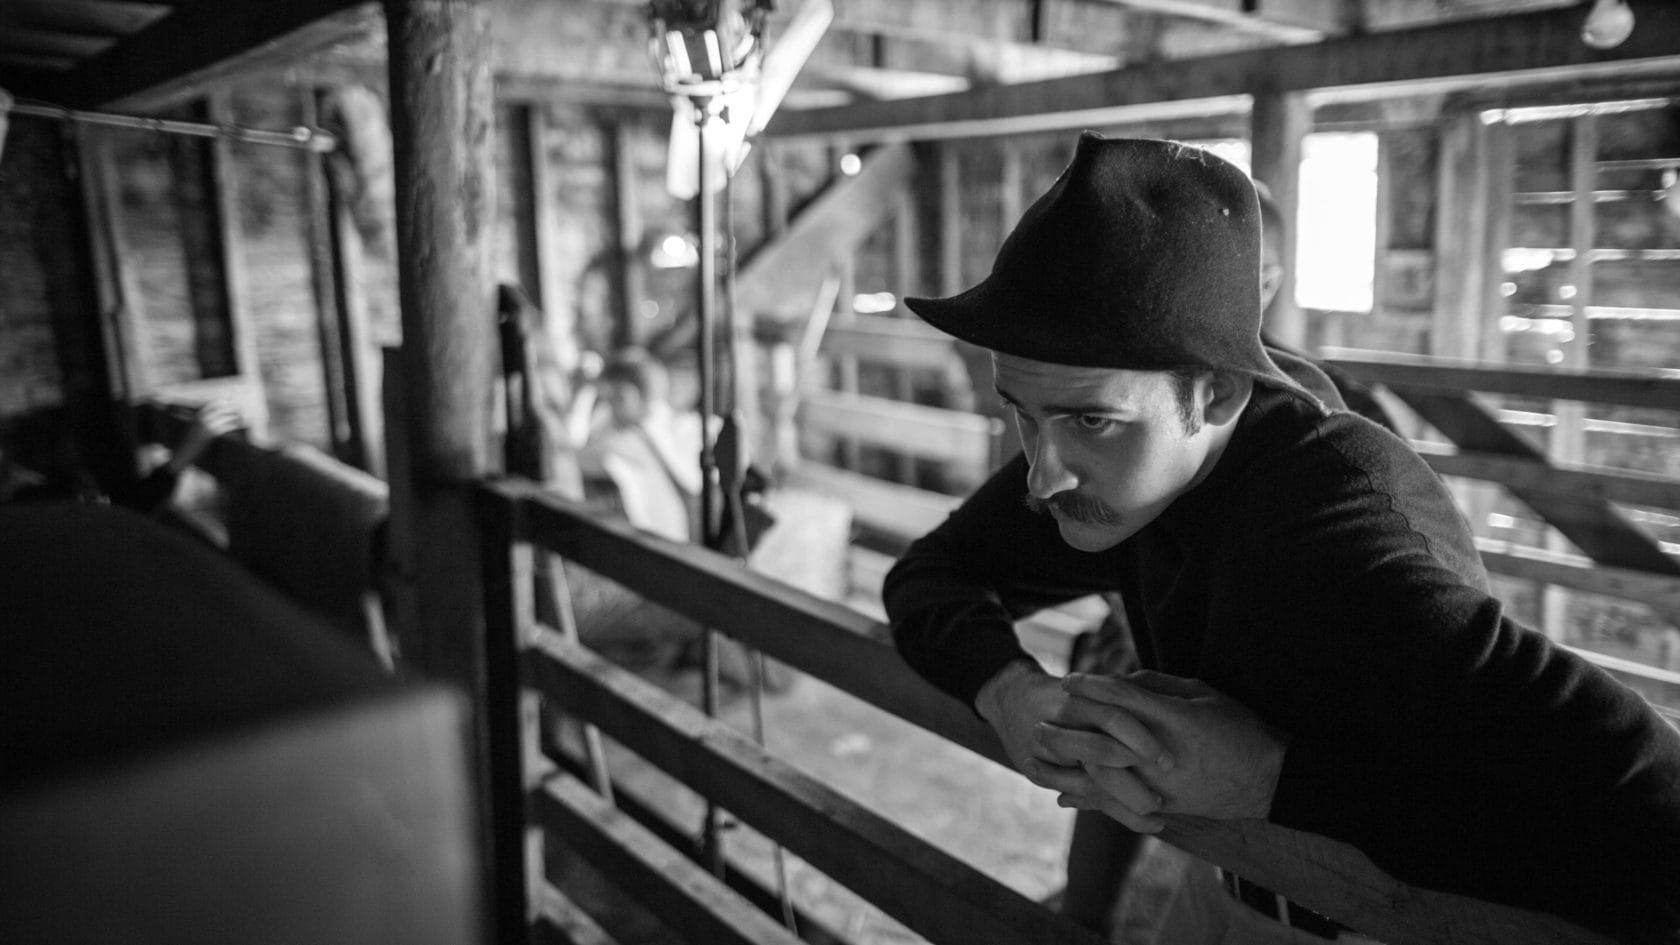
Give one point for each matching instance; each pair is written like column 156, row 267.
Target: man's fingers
column 1125, row 788
column 1070, row 746
column 1168, row 685
column 1132, row 820
column 1114, row 719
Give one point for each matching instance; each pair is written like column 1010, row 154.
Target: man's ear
column 1225, row 396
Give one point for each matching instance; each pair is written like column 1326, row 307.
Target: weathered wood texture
column 686, row 896
column 197, row 46
column 1529, row 46
column 1279, row 122
column 35, row 196
column 929, row 891
column 442, row 120
column 844, row 648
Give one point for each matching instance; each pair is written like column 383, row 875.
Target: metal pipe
column 302, row 136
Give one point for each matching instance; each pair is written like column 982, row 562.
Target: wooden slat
column 1596, row 526
column 1599, row 482
column 199, row 44
column 925, row 888
column 654, row 812
column 560, row 921
column 1660, row 593
column 685, row 897
column 831, row 642
column 894, row 342
column 1624, row 388
column 899, row 512
column 951, row 436
column 823, row 638
column 1529, row 47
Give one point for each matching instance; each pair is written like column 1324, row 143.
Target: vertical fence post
column 509, row 713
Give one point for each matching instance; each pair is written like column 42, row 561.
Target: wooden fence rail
column 1579, row 501
column 947, row 901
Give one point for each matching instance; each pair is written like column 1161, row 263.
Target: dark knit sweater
column 1322, row 576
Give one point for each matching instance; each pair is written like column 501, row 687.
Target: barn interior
column 371, row 228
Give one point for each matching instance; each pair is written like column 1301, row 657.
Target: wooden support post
column 950, row 221
column 325, row 276
column 441, row 121
column 627, row 209
column 1278, row 123
column 905, row 243
column 1568, row 439
column 846, row 365
column 361, row 365
column 1461, row 237
column 231, row 235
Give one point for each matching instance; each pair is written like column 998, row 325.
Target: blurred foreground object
column 192, row 758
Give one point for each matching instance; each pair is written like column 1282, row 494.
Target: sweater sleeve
column 953, row 597
column 1455, row 747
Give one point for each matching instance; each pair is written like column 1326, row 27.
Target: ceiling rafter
column 195, row 44
column 1525, row 47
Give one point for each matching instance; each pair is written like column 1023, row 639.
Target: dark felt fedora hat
column 1144, row 255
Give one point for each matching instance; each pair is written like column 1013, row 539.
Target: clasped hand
column 1137, row 746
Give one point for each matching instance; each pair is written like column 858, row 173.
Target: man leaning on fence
column 1320, row 645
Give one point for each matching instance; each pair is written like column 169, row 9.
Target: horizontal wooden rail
column 685, row 897
column 926, row 889
column 1626, row 388
column 1599, row 482
column 841, row 647
column 893, row 342
column 953, row 436
column 560, row 921
column 902, row 513
column 823, row 638
column 1660, row 592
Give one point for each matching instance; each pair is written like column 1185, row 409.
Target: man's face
column 1108, row 450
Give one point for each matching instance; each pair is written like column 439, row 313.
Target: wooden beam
column 898, row 512
column 894, row 342
column 203, row 44
column 326, row 280
column 560, row 921
column 1279, row 123
column 442, row 121
column 1526, row 47
column 950, row 436
column 1659, row 389
column 224, row 197
column 1661, row 594
column 930, row 891
column 1599, row 482
column 90, row 17
column 1285, row 20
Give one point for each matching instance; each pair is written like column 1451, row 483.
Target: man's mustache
column 1072, row 505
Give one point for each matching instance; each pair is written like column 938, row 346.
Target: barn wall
column 37, row 254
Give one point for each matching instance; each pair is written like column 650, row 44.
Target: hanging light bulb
column 1608, row 25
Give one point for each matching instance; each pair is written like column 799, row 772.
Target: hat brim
column 981, row 317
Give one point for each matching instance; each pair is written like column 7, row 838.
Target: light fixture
column 1608, row 24
column 704, row 48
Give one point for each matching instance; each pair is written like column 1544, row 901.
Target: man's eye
column 1095, row 423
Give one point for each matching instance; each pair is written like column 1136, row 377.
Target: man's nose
column 1047, row 475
